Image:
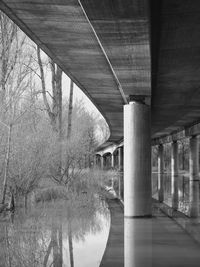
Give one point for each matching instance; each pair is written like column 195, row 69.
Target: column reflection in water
column 138, row 242
column 174, row 175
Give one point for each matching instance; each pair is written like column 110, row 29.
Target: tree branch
column 43, row 83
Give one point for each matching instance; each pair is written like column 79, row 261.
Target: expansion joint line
column 104, row 52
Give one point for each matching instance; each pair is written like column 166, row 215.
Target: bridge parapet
column 185, row 133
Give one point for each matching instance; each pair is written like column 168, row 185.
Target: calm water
column 183, row 190
column 62, row 233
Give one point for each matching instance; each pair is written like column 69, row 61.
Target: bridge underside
column 113, row 49
column 103, row 47
column 143, row 56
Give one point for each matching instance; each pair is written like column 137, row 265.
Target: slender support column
column 102, row 162
column 137, row 160
column 99, row 162
column 119, row 186
column 95, row 161
column 112, row 161
column 120, row 158
column 174, row 175
column 120, row 168
column 194, row 177
column 112, row 167
column 160, row 173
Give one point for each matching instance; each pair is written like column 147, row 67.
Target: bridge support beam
column 174, row 175
column 160, row 173
column 137, row 160
column 194, row 177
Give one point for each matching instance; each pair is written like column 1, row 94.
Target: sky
column 79, row 95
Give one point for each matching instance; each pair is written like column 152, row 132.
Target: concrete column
column 194, row 177
column 112, row 167
column 119, row 186
column 174, row 175
column 112, row 161
column 160, row 173
column 95, row 161
column 120, row 167
column 120, row 158
column 102, row 162
column 99, row 162
column 137, row 160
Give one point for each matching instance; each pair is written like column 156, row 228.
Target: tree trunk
column 58, row 97
column 60, row 243
column 50, row 113
column 8, row 33
column 12, row 201
column 54, row 110
column 69, row 126
column 46, row 257
column 70, row 244
column 57, row 262
column 6, row 164
column 26, row 202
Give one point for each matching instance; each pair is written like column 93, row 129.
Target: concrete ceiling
column 175, row 65
column 104, row 46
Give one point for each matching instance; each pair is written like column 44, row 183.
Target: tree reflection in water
column 39, row 237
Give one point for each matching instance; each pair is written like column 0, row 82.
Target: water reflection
column 158, row 241
column 183, row 190
column 138, row 242
column 56, row 234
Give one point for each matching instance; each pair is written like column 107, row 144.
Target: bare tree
column 8, row 36
column 14, row 79
column 54, row 109
column 6, row 164
column 69, row 123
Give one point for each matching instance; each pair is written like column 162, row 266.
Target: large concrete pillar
column 174, row 175
column 160, row 173
column 194, row 177
column 137, row 160
column 120, row 158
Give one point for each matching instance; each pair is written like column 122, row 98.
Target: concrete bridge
column 139, row 63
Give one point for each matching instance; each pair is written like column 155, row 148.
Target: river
column 61, row 233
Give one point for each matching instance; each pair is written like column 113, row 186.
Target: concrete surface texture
column 114, row 49
column 151, row 242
